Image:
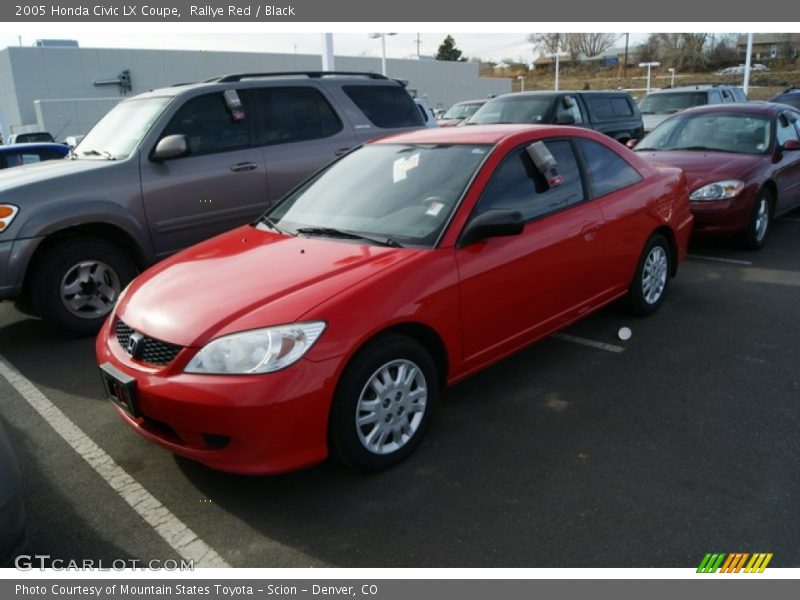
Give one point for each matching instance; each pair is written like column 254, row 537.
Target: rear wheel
column 755, row 235
column 649, row 285
column 383, row 403
column 78, row 282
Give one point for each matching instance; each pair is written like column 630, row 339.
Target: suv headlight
column 7, row 214
column 256, row 351
column 719, row 190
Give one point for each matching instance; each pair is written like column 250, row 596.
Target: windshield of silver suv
column 119, row 132
column 667, row 103
column 513, row 109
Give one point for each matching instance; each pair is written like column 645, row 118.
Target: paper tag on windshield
column 403, row 165
column 434, row 209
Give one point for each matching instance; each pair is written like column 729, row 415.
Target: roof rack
column 309, row 74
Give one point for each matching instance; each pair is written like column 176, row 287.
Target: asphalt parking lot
column 581, row 451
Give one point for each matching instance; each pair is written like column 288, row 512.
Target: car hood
column 702, row 168
column 244, row 279
column 11, row 179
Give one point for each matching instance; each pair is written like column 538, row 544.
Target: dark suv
column 169, row 168
column 612, row 113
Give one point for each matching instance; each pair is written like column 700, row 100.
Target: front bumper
column 723, row 216
column 252, row 424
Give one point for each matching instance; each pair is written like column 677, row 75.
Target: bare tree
column 590, row 44
column 548, row 42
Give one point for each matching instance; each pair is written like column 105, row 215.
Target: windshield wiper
column 273, row 225
column 351, row 235
column 700, row 148
column 105, row 153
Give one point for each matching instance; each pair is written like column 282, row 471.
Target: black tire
column 63, row 265
column 651, row 280
column 394, row 407
column 755, row 235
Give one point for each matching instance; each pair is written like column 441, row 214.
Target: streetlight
column 556, row 55
column 672, row 73
column 649, row 65
column 521, row 83
column 375, row 36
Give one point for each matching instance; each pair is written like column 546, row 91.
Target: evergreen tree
column 448, row 50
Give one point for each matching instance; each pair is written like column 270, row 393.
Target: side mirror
column 791, row 145
column 492, row 223
column 565, row 119
column 171, row 146
column 631, row 143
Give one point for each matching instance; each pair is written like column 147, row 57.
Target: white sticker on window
column 434, row 209
column 403, row 165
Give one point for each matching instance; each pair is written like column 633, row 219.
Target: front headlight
column 256, row 351
column 7, row 214
column 719, row 190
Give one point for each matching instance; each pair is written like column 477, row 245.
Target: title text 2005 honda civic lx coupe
column 332, row 323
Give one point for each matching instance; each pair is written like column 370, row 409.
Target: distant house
column 770, row 46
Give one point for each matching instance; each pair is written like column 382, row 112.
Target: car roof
column 476, row 134
column 8, row 148
column 763, row 108
column 700, row 87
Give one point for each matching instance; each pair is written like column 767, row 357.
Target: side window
column 622, row 107
column 785, row 130
column 208, row 125
column 714, row 97
column 569, row 105
column 282, row 115
column 386, row 106
column 518, row 185
column 608, row 171
column 601, row 108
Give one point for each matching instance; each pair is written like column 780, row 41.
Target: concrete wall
column 50, row 88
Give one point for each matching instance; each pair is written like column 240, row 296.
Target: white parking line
column 586, row 342
column 182, row 539
column 730, row 261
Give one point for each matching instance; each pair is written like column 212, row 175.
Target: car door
column 514, row 289
column 298, row 132
column 787, row 170
column 220, row 184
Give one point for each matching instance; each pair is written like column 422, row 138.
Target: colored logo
column 735, row 563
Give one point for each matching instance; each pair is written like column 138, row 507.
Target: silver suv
column 169, row 168
column 660, row 104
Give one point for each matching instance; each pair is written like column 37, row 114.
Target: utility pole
column 418, row 43
column 625, row 61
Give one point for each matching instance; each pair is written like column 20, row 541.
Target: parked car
column 742, row 162
column 17, row 155
column 660, row 104
column 612, row 113
column 169, row 168
column 460, row 111
column 790, row 96
column 27, row 138
column 12, row 509
column 426, row 111
column 332, row 323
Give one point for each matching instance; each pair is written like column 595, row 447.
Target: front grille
column 149, row 350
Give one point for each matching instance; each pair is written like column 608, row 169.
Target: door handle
column 243, row 166
column 590, row 230
column 341, row 151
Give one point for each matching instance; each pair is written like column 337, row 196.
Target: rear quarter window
column 386, row 106
column 607, row 108
column 607, row 170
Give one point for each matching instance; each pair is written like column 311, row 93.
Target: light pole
column 672, row 78
column 521, row 83
column 556, row 55
column 375, row 36
column 746, row 81
column 649, row 65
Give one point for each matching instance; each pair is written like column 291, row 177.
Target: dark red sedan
column 742, row 162
column 332, row 323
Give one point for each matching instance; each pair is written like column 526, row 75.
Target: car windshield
column 394, row 194
column 118, row 133
column 668, row 103
column 519, row 109
column 740, row 133
column 462, row 111
column 790, row 99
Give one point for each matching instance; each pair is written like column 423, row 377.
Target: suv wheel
column 79, row 281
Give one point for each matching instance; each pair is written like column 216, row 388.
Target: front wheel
column 383, row 403
column 649, row 285
column 755, row 235
column 78, row 282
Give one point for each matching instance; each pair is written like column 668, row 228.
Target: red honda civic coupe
column 331, row 324
column 742, row 163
